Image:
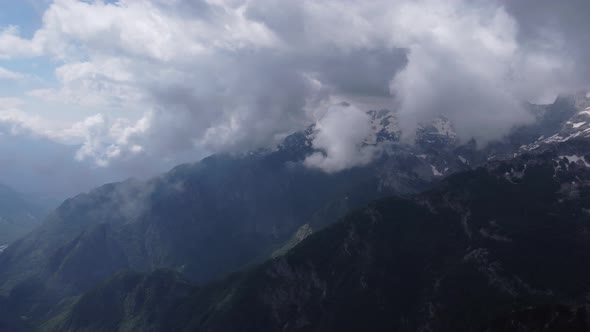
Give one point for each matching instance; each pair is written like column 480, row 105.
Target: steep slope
column 216, row 216
column 501, row 248
column 204, row 219
column 568, row 118
column 19, row 214
column 142, row 299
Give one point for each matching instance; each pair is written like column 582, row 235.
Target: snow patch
column 443, row 127
column 383, row 124
column 559, row 139
column 435, row 171
column 3, row 247
column 575, row 159
column 578, row 124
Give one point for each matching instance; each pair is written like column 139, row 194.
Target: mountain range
column 510, row 257
column 259, row 242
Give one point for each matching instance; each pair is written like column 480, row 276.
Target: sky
column 98, row 91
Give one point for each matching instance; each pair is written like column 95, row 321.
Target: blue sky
column 25, row 14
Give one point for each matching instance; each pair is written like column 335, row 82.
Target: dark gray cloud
column 559, row 27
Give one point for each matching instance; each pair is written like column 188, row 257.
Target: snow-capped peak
column 444, row 127
column 385, row 127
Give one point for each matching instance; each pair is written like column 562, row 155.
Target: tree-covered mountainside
column 227, row 212
column 19, row 214
column 209, row 218
column 504, row 247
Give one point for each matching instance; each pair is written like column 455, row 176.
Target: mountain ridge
column 227, row 212
column 421, row 263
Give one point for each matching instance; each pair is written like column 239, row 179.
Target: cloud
column 12, row 45
column 556, row 29
column 16, row 121
column 228, row 75
column 466, row 62
column 6, row 74
column 101, row 138
column 104, row 142
column 459, row 61
column 60, row 159
column 104, row 83
column 340, row 137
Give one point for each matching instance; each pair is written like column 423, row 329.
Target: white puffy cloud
column 14, row 120
column 12, row 45
column 104, row 82
column 465, row 62
column 105, row 141
column 100, row 138
column 340, row 137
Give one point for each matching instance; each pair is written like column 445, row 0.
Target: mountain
column 204, row 220
column 19, row 214
column 228, row 212
column 505, row 247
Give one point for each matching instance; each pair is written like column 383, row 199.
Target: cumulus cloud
column 465, row 62
column 16, row 121
column 104, row 141
column 340, row 137
column 100, row 138
column 59, row 159
column 228, row 75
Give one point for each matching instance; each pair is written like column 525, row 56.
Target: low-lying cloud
column 340, row 138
